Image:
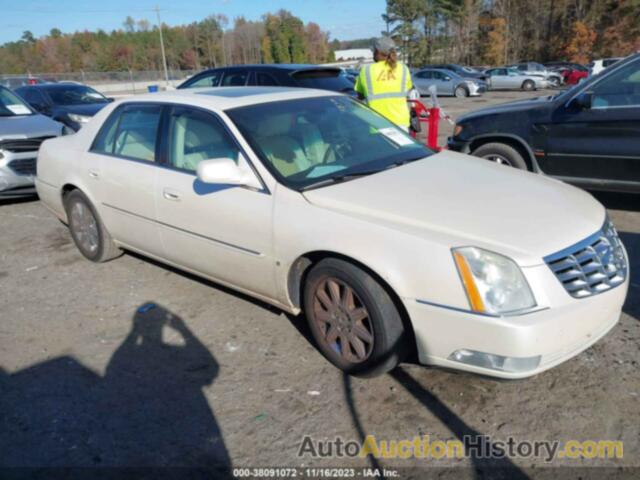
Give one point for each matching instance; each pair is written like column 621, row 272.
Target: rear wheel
column 87, row 230
column 502, row 154
column 461, row 92
column 354, row 321
column 528, row 85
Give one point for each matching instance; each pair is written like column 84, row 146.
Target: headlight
column 457, row 130
column 494, row 284
column 79, row 118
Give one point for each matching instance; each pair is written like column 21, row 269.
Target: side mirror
column 225, row 171
column 111, row 99
column 583, row 101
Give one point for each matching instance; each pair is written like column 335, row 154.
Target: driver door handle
column 171, row 195
column 94, row 173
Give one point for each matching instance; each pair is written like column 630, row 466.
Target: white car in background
column 310, row 201
column 599, row 65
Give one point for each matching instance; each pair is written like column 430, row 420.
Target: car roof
column 293, row 67
column 226, row 98
column 441, row 70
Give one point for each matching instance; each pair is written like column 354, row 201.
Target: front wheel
column 461, row 92
column 502, row 154
column 528, row 85
column 354, row 321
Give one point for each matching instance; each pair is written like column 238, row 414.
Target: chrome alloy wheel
column 499, row 159
column 85, row 227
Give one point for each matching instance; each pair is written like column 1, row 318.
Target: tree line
column 495, row 32
column 278, row 37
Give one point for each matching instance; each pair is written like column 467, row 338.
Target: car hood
column 86, row 110
column 458, row 200
column 509, row 107
column 28, row 126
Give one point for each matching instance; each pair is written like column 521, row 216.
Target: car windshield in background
column 75, row 95
column 324, row 79
column 318, row 141
column 11, row 104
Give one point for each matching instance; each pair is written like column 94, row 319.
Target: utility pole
column 164, row 58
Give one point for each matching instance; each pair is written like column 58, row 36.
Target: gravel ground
column 92, row 375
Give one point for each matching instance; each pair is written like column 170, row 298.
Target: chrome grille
column 23, row 166
column 595, row 265
column 20, row 145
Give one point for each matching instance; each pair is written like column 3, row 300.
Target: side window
column 236, row 78
column 211, row 79
column 437, row 75
column 195, row 136
column 264, row 79
column 620, row 89
column 103, row 143
column 130, row 132
column 33, row 97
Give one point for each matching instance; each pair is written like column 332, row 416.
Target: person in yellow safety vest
column 385, row 84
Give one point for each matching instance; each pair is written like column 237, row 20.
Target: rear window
column 325, row 79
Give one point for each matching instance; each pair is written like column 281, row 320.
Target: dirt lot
column 91, row 374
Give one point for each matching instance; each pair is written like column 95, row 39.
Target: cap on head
column 384, row 45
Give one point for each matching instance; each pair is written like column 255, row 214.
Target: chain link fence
column 122, row 82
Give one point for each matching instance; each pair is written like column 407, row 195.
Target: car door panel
column 221, row 231
column 601, row 143
column 126, row 184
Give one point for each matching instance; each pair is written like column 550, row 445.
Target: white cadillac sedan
column 312, row 202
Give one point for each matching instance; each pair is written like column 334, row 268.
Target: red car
column 573, row 76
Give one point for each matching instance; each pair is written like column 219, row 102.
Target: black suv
column 588, row 135
column 283, row 75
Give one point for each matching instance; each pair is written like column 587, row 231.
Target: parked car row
column 587, row 135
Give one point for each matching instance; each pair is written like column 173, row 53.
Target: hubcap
column 499, row 159
column 343, row 320
column 85, row 227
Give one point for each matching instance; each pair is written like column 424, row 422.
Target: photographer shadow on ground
column 148, row 411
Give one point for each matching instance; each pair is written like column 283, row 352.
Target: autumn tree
column 580, row 46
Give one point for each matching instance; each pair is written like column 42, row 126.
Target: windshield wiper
column 351, row 176
column 339, row 179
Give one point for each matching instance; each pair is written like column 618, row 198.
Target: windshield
column 75, row 95
column 11, row 104
column 316, row 141
column 324, row 80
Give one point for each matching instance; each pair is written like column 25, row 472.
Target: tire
column 87, row 230
column 528, row 85
column 554, row 82
column 461, row 92
column 337, row 320
column 501, row 153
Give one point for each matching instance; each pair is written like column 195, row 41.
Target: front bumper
column 17, row 173
column 458, row 145
column 475, row 90
column 555, row 334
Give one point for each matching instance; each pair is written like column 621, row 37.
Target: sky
column 343, row 19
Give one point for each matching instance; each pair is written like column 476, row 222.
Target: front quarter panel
column 412, row 266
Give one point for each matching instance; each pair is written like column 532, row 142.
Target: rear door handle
column 94, row 173
column 171, row 195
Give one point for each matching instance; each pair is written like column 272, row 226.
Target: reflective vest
column 386, row 90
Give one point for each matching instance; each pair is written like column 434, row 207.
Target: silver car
column 511, row 79
column 538, row 70
column 22, row 130
column 447, row 83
